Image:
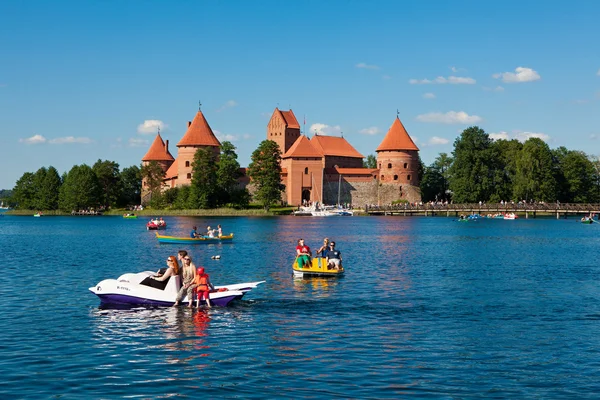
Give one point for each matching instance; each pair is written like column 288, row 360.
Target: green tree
column 535, row 177
column 153, row 175
column 24, row 192
column 203, row 193
column 109, row 178
column 49, row 190
column 508, row 152
column 434, row 185
column 472, row 175
column 38, row 181
column 265, row 172
column 228, row 172
column 131, row 186
column 80, row 190
column 370, row 162
column 579, row 175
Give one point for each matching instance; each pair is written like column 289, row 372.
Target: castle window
column 306, row 171
column 187, row 163
column 405, row 165
column 189, row 176
column 408, row 177
column 382, row 178
column 390, row 165
column 395, row 177
column 379, row 165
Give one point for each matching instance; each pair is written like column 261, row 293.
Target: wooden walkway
column 454, row 210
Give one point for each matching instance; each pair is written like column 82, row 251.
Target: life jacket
column 202, row 282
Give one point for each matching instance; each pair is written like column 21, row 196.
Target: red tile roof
column 397, row 139
column 199, row 133
column 289, row 118
column 334, row 146
column 172, row 171
column 158, row 151
column 302, row 148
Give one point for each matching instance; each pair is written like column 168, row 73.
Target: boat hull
column 201, row 240
column 318, row 268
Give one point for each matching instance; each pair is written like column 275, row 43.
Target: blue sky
column 88, row 80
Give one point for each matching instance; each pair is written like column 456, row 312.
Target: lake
column 428, row 308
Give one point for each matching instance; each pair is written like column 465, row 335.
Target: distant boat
column 3, row 207
column 38, row 214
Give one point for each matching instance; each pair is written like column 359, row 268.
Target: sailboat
column 3, row 207
column 332, row 211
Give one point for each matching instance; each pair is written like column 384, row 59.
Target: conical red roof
column 158, row 151
column 302, row 148
column 397, row 139
column 199, row 133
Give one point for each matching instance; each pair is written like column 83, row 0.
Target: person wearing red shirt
column 303, row 254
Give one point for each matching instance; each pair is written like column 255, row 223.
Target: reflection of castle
column 323, row 168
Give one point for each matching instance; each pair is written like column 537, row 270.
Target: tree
column 228, row 172
column 38, row 181
column 80, row 190
column 265, row 172
column 203, row 193
column 434, row 185
column 153, row 175
column 131, row 186
column 535, row 178
column 370, row 162
column 109, row 179
column 579, row 177
column 472, row 175
column 24, row 192
column 49, row 190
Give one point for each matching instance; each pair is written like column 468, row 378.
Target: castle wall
column 366, row 190
column 398, row 167
column 343, row 162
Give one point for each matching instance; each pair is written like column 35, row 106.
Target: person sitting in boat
column 323, row 249
column 333, row 257
column 209, row 232
column 203, row 286
column 193, row 233
column 219, row 231
column 303, row 254
column 160, row 276
column 188, row 286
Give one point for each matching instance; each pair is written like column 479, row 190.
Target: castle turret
column 283, row 129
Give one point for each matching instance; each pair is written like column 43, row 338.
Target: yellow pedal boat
column 318, row 268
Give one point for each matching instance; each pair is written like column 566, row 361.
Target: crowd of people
column 332, row 256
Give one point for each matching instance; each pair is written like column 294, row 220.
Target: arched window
column 405, row 165
column 395, row 177
column 379, row 165
column 382, row 178
column 389, row 165
column 306, row 171
column 187, row 163
column 408, row 177
column 189, row 176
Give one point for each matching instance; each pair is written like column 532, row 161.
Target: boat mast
column 339, row 187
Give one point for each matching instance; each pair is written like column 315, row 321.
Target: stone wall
column 369, row 192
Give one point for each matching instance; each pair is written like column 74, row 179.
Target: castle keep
column 325, row 169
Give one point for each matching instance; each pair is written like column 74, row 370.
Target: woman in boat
column 188, row 286
column 219, row 230
column 303, row 254
column 172, row 270
column 323, row 249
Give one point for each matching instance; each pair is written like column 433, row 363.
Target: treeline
column 101, row 186
column 482, row 169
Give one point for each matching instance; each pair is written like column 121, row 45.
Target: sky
column 88, row 80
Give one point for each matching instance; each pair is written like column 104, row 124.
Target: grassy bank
column 216, row 212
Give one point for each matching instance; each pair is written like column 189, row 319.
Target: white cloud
column 367, row 66
column 523, row 136
column 429, row 96
column 519, row 135
column 521, row 74
column 451, row 117
column 135, row 142
column 370, row 131
column 151, row 126
column 436, row 140
column 453, row 80
column 496, row 89
column 70, row 139
column 225, row 136
column 35, row 139
column 324, row 129
column 246, row 136
column 228, row 104
column 500, row 135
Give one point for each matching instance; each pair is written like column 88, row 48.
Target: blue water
column 428, row 308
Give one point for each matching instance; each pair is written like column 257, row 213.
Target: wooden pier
column 454, row 210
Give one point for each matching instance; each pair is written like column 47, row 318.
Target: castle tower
column 159, row 152
column 304, row 167
column 398, row 161
column 198, row 135
column 283, row 129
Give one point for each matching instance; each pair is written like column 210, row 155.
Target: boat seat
column 156, row 284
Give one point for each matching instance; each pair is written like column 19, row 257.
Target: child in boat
column 219, row 231
column 203, row 287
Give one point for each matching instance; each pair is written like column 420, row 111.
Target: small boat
column 318, row 268
column 38, row 214
column 198, row 240
column 586, row 220
column 129, row 216
column 132, row 289
column 156, row 224
column 3, row 207
column 511, row 216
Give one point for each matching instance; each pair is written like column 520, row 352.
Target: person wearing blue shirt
column 193, row 233
column 334, row 257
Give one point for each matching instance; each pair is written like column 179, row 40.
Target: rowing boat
column 198, row 240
